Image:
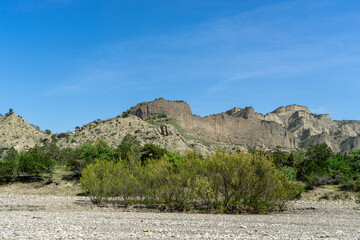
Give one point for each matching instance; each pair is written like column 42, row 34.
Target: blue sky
column 64, row 63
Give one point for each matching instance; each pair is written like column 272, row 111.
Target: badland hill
column 172, row 125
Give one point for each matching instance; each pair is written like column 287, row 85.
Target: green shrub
column 162, row 115
column 151, row 151
column 290, row 172
column 221, row 182
column 98, row 179
column 35, row 162
column 125, row 146
column 354, row 160
column 88, row 153
column 9, row 165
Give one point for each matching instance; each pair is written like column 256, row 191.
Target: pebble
column 56, row 217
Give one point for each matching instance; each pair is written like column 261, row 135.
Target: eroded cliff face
column 178, row 110
column 290, row 127
column 237, row 126
column 172, row 125
column 312, row 129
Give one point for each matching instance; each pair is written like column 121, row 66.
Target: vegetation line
column 222, row 182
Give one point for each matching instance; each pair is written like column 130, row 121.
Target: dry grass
column 62, row 185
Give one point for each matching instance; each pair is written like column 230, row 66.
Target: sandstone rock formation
column 289, row 127
column 238, row 126
column 172, row 125
column 311, row 129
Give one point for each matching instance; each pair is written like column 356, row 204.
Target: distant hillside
column 115, row 129
column 243, row 129
column 172, row 125
column 287, row 127
column 18, row 133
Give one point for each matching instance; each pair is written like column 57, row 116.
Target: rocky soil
column 18, row 133
column 73, row 217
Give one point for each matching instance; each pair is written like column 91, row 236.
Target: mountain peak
column 171, row 124
column 290, row 109
column 175, row 108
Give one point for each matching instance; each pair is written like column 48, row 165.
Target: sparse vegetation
column 221, row 182
column 11, row 111
column 36, row 127
column 126, row 113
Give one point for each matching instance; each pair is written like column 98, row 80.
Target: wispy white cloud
column 94, row 80
column 221, row 53
column 228, row 47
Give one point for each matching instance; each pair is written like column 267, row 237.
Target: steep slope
column 290, row 127
column 244, row 129
column 115, row 129
column 313, row 129
column 172, row 125
column 16, row 132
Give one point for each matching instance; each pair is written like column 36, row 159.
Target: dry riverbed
column 25, row 216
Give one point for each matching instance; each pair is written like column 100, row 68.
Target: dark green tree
column 9, row 164
column 128, row 142
column 11, row 111
column 151, row 151
column 354, row 160
column 36, row 161
column 316, row 157
column 104, row 151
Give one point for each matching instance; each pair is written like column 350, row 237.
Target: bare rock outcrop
column 313, row 129
column 172, row 125
column 238, row 126
column 291, row 127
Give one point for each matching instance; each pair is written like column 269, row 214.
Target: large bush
column 97, row 179
column 88, row 153
column 9, row 165
column 222, row 182
column 35, row 162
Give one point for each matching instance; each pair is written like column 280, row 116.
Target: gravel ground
column 59, row 217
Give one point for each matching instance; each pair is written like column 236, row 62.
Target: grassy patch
column 157, row 122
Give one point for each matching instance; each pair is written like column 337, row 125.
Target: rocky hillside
column 18, row 133
column 289, row 127
column 165, row 134
column 172, row 125
column 240, row 128
column 313, row 129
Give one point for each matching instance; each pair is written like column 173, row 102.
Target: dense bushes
column 222, row 182
column 9, row 165
column 318, row 165
column 32, row 163
column 36, row 161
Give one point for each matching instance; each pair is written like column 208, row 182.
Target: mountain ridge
column 171, row 124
